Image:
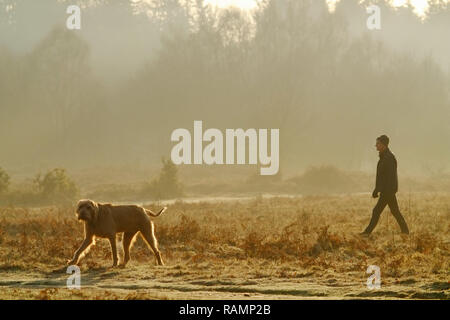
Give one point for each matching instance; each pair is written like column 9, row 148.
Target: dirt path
column 177, row 282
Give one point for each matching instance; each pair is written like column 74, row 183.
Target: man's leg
column 395, row 210
column 377, row 210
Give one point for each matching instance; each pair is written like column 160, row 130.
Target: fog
column 112, row 93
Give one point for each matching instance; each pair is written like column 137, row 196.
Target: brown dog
column 105, row 220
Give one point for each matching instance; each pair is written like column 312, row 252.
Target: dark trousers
column 391, row 201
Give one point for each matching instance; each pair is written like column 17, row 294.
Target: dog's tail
column 151, row 213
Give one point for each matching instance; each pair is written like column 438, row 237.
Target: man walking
column 386, row 186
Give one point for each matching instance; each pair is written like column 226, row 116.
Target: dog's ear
column 95, row 208
column 79, row 204
column 94, row 205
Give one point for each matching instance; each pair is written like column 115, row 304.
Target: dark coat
column 387, row 181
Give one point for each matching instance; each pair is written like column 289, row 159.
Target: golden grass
column 283, row 237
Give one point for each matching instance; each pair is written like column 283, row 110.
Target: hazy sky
column 115, row 35
column 420, row 7
column 242, row 4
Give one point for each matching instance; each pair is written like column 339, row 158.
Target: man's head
column 382, row 143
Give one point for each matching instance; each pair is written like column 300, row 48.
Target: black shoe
column 364, row 234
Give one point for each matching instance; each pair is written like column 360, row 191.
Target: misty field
column 278, row 248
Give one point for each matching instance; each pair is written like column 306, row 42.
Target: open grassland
column 278, row 248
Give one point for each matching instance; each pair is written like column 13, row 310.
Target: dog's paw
column 71, row 262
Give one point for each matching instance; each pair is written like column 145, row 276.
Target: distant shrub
column 56, row 186
column 167, row 185
column 4, row 181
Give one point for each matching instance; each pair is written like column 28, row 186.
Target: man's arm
column 381, row 177
column 390, row 172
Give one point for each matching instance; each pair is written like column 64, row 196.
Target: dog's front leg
column 86, row 243
column 112, row 241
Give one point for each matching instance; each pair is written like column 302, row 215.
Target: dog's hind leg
column 148, row 233
column 127, row 240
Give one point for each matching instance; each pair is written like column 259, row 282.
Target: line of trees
column 285, row 67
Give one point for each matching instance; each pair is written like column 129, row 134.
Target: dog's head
column 87, row 210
